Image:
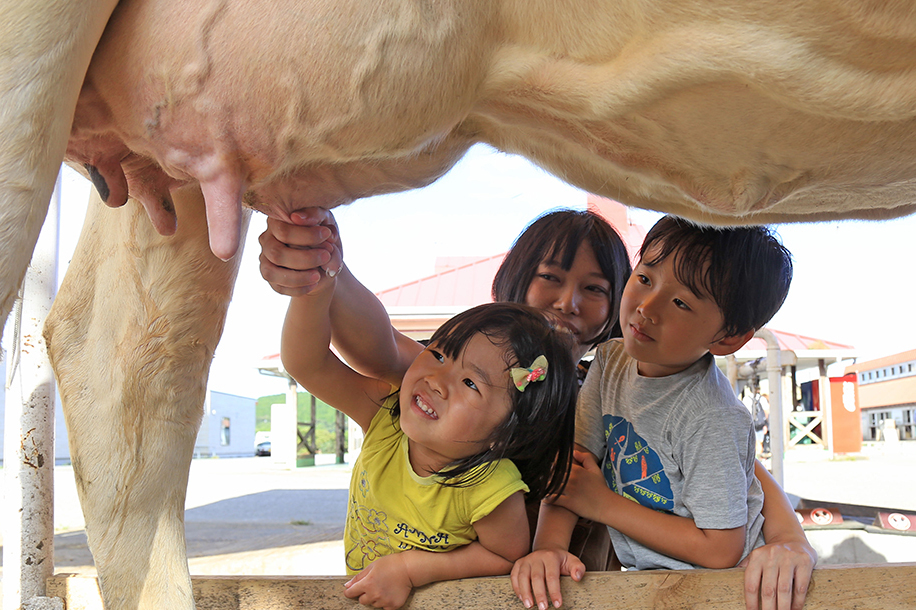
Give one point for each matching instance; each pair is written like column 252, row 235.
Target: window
column 224, row 432
column 870, row 432
column 908, row 429
column 896, row 371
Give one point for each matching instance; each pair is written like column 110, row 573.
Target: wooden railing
column 859, row 587
column 802, row 425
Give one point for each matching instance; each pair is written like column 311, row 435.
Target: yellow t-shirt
column 392, row 509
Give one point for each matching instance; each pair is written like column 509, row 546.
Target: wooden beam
column 858, row 587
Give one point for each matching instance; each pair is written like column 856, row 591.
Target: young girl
column 569, row 263
column 484, row 414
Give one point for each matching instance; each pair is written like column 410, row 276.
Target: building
column 227, row 427
column 226, row 430
column 887, row 396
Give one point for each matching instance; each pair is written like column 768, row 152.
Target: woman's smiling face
column 579, row 297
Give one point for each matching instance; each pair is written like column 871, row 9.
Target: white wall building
column 226, row 430
column 887, row 391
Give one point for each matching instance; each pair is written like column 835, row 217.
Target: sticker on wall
column 819, row 517
column 896, row 522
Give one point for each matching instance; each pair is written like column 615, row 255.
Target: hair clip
column 521, row 377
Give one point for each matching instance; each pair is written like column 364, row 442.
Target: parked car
column 262, row 448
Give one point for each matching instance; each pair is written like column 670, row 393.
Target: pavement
column 880, row 475
column 242, row 516
column 250, row 516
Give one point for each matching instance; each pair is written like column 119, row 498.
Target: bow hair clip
column 521, row 377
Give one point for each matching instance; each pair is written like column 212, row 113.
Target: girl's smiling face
column 450, row 407
column 579, row 297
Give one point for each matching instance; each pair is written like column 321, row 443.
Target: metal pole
column 311, row 439
column 823, row 387
column 340, row 434
column 777, row 421
column 28, row 454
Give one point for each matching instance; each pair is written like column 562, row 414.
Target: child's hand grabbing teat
column 298, row 257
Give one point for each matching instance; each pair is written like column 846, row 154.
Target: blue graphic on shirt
column 633, row 469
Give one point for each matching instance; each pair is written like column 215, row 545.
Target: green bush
column 324, row 416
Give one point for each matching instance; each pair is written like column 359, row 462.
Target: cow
column 189, row 114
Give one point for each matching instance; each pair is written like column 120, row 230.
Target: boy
column 676, row 487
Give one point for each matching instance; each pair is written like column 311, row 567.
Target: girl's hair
column 537, row 435
column 557, row 236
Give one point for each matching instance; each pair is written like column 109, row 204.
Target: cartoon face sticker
column 821, row 516
column 898, row 522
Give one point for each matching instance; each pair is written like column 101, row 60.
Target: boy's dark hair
column 538, row 433
column 557, row 236
column 745, row 270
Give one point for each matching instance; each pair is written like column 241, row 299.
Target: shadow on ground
column 267, row 520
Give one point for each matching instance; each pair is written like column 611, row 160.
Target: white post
column 28, row 455
column 284, row 424
column 826, row 406
column 777, row 421
column 731, row 371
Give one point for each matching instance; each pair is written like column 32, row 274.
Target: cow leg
column 45, row 48
column 131, row 336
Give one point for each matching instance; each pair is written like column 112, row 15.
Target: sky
column 853, row 284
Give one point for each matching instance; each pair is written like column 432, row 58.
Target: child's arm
column 502, row 538
column 588, row 495
column 292, row 260
column 306, row 356
column 363, row 334
column 536, row 577
column 778, row 574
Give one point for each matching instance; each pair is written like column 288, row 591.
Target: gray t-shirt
column 682, row 444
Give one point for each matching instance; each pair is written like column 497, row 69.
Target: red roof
column 617, row 215
column 795, row 342
column 469, row 282
column 273, row 360
column 465, row 285
column 867, row 365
